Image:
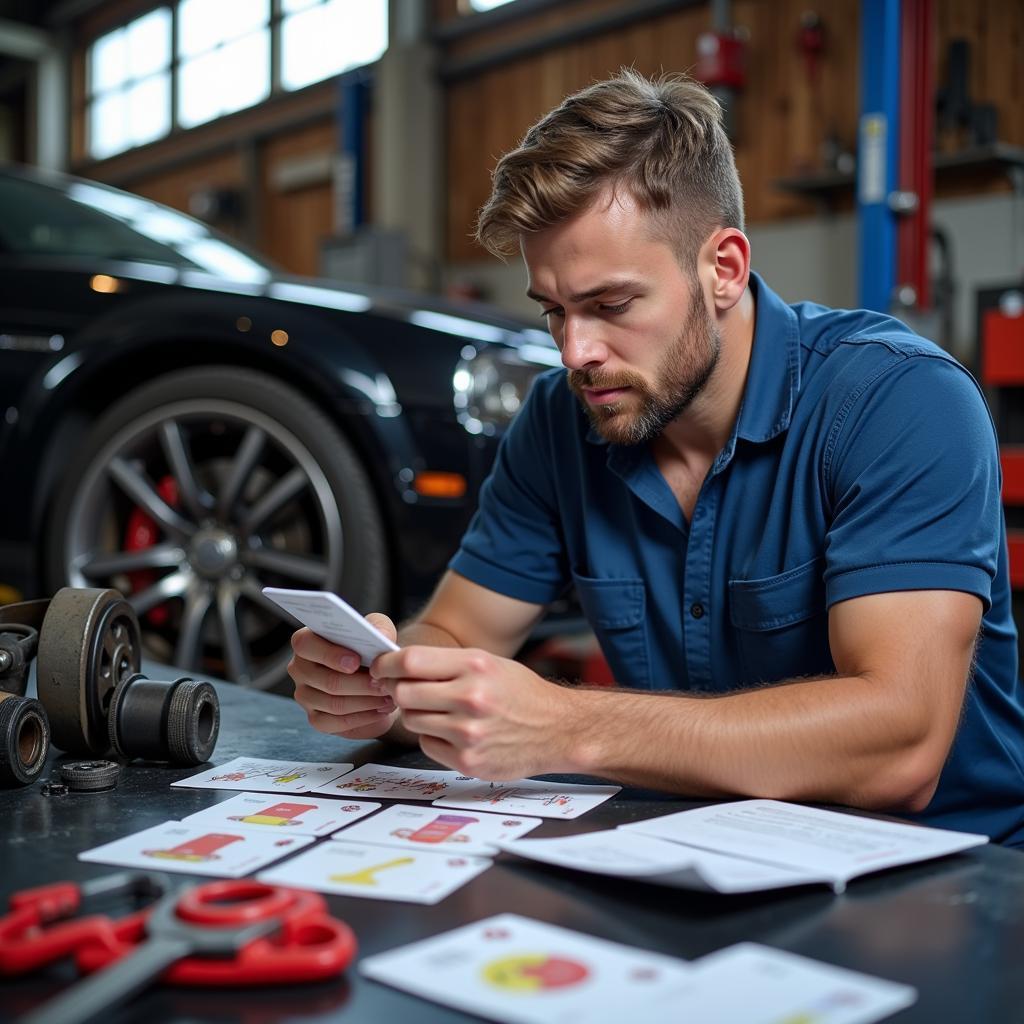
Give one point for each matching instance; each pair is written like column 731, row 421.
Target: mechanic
column 783, row 522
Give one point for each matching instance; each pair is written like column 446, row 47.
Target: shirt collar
column 773, row 377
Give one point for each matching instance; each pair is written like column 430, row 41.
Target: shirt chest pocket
column 781, row 624
column 616, row 611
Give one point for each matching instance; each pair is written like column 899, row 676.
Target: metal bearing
column 90, row 776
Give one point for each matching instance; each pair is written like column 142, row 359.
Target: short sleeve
column 912, row 473
column 514, row 544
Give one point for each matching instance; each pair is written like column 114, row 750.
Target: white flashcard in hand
column 378, row 872
column 528, row 796
column 306, row 816
column 383, row 781
column 428, row 828
column 254, row 773
column 758, row 985
column 195, row 850
column 510, row 968
column 333, row 619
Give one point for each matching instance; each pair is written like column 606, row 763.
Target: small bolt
column 54, row 789
column 6, row 661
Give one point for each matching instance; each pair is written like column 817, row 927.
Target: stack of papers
column 747, row 846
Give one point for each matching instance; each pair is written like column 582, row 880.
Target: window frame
column 277, row 90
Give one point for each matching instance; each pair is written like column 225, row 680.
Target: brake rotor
column 89, row 642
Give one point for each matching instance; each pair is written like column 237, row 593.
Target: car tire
column 196, row 490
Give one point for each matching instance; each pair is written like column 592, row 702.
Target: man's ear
column 728, row 259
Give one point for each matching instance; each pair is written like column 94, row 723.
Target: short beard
column 685, row 371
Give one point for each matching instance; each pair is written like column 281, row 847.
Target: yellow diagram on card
column 533, row 972
column 366, row 875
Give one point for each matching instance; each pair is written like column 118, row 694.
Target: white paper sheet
column 823, row 845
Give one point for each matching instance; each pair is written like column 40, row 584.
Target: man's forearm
column 840, row 740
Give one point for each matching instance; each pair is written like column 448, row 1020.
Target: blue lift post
column 878, row 151
column 353, row 102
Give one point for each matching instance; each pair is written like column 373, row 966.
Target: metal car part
column 24, row 739
column 90, row 776
column 18, row 644
column 164, row 721
column 88, row 643
column 267, row 491
column 54, row 789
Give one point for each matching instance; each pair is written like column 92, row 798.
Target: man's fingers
column 332, row 725
column 430, row 663
column 307, row 645
column 384, row 624
column 309, row 673
column 340, row 705
column 440, row 726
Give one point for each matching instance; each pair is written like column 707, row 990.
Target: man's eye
column 554, row 311
column 621, row 308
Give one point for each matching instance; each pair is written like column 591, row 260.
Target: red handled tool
column 219, row 933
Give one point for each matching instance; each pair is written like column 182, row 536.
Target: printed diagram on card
column 529, row 796
column 431, row 828
column 378, row 872
column 304, row 815
column 269, row 776
column 179, row 847
column 381, row 780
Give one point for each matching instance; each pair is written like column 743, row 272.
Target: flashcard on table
column 310, row 816
column 758, row 985
column 528, row 796
column 194, row 850
column 382, row 781
column 425, row 828
column 509, row 968
column 378, row 872
column 626, row 854
column 266, row 776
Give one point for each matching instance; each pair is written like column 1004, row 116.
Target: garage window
column 224, row 54
column 129, row 85
column 320, row 38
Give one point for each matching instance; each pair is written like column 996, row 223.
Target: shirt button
column 697, row 610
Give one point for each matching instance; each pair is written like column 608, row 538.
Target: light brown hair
column 661, row 139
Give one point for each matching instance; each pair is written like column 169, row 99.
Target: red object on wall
column 1015, row 548
column 721, row 60
column 1011, row 458
column 1002, row 348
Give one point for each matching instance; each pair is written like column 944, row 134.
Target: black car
column 183, row 423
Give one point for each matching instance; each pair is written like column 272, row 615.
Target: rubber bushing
column 164, row 721
column 90, row 776
column 24, row 739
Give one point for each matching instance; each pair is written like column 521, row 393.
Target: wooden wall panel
column 782, row 116
column 176, row 187
column 294, row 222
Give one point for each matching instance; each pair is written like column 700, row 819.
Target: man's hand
column 335, row 691
column 482, row 715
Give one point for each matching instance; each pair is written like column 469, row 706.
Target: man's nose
column 581, row 346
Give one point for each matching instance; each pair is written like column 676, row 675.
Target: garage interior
column 340, row 358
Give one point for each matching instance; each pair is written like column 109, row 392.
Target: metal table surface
column 952, row 928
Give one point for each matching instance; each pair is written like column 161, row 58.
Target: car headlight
column 490, row 383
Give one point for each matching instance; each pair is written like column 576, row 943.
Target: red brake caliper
column 142, row 532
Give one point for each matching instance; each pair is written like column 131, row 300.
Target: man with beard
column 782, row 521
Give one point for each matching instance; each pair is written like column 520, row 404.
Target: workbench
column 953, row 928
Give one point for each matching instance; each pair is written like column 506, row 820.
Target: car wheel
column 194, row 492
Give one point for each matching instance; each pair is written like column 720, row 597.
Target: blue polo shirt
column 863, row 460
